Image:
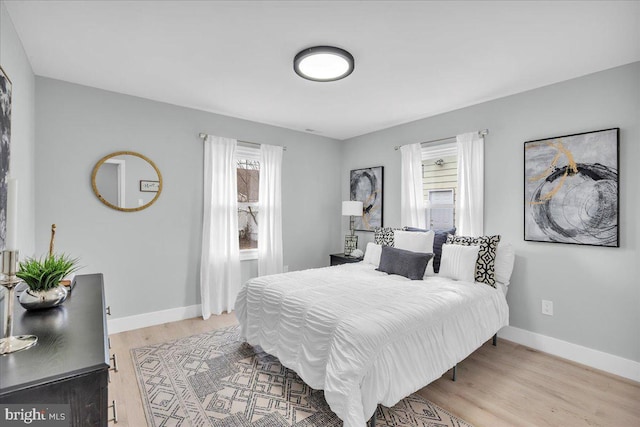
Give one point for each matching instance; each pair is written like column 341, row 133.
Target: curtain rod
column 204, row 135
column 482, row 132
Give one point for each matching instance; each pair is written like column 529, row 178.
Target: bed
column 364, row 336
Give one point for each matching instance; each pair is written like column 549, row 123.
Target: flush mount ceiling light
column 323, row 63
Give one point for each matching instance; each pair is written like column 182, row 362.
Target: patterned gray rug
column 213, row 379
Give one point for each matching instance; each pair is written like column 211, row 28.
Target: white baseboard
column 154, row 318
column 587, row 356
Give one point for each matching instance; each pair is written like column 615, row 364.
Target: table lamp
column 351, row 208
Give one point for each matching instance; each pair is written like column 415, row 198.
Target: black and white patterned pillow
column 383, row 236
column 486, row 262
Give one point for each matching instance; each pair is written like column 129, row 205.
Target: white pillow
column 505, row 257
column 372, row 254
column 414, row 241
column 429, row 270
column 458, row 262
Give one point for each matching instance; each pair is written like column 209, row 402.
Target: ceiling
column 414, row 59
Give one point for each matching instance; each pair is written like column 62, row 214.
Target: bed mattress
column 366, row 337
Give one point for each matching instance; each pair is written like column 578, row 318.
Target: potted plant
column 43, row 277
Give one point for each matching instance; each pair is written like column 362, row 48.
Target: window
column 440, row 184
column 248, row 177
column 440, row 209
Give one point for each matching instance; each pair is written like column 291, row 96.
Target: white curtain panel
column 412, row 213
column 220, row 262
column 270, row 258
column 470, row 200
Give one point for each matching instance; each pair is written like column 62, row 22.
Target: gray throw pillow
column 404, row 263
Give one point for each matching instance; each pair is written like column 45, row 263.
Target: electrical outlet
column 285, row 269
column 547, row 307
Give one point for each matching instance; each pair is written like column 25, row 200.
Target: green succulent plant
column 46, row 273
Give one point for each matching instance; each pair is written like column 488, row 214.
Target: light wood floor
column 508, row 385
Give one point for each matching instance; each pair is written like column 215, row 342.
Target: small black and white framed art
column 149, row 186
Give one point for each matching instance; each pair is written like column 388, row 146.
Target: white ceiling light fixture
column 323, row 63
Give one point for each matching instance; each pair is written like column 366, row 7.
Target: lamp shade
column 352, row 207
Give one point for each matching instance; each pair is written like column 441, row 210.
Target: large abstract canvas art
column 571, row 189
column 366, row 186
column 5, row 140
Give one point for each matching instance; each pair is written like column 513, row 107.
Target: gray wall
column 15, row 63
column 151, row 258
column 595, row 291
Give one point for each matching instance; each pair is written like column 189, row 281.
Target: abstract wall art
column 366, row 186
column 5, row 144
column 571, row 189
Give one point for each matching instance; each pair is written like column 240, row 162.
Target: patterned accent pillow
column 485, row 265
column 383, row 236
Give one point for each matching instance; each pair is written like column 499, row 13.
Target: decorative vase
column 38, row 300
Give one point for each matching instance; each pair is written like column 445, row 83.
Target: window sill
column 248, row 254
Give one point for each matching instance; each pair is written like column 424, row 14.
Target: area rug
column 215, row 380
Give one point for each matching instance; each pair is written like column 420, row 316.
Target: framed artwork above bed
column 571, row 189
column 366, row 186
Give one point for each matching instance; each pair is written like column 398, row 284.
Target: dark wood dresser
column 70, row 362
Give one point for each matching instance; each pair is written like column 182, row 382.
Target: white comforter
column 365, row 337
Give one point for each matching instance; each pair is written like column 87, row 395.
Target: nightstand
column 337, row 259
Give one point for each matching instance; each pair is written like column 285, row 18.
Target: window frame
column 248, row 153
column 434, row 152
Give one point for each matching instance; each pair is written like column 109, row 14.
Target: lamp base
column 12, row 343
column 350, row 244
column 17, row 343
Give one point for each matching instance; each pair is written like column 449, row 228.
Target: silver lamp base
column 12, row 343
column 350, row 244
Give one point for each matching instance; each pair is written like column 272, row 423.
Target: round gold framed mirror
column 126, row 181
